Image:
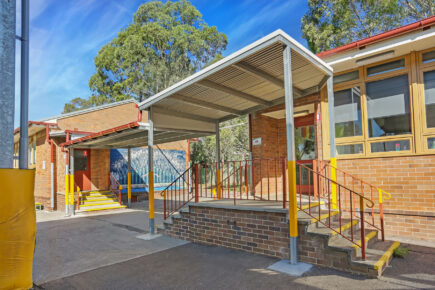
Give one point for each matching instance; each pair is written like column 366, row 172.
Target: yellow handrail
column 381, row 191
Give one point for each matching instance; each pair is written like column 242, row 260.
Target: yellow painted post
column 66, row 190
column 129, row 189
column 129, row 177
column 71, row 194
column 334, row 185
column 333, row 152
column 292, row 209
column 218, row 181
column 291, row 157
column 151, row 195
column 151, row 170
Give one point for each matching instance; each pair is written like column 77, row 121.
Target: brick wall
column 411, row 182
column 102, row 119
column 42, row 173
column 259, row 232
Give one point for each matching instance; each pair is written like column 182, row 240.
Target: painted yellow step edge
column 386, row 256
column 100, row 203
column 324, row 216
column 93, row 196
column 98, row 199
column 344, row 227
column 104, row 208
column 367, row 238
column 313, row 204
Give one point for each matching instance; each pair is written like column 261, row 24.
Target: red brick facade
column 92, row 121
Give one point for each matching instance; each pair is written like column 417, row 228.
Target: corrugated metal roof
column 244, row 82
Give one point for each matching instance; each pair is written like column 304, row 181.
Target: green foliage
column 165, row 43
column 331, row 23
column 234, row 137
column 74, row 104
column 400, row 252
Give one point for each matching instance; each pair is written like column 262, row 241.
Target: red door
column 305, row 150
column 82, row 168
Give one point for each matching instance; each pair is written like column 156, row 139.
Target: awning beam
column 183, row 115
column 207, row 105
column 233, row 92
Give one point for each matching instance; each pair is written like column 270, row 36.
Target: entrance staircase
column 98, row 200
column 346, row 213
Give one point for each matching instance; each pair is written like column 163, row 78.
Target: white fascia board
column 379, row 47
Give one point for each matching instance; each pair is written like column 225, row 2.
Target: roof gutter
column 380, row 37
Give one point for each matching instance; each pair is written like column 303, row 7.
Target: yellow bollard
column 218, row 184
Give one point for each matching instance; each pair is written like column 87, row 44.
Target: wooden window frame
column 424, row 130
column 365, row 139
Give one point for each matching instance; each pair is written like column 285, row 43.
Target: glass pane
column 388, row 110
column 429, row 56
column 80, row 160
column 402, row 145
column 304, row 143
column 350, row 149
column 350, row 76
column 429, row 95
column 386, row 67
column 431, row 143
column 347, row 111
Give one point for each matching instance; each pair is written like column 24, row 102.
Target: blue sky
column 66, row 35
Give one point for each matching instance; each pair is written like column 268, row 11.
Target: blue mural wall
column 164, row 172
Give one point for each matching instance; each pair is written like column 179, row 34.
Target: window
column 402, row 145
column 429, row 56
column 347, row 110
column 431, row 143
column 386, row 67
column 388, row 110
column 350, row 76
column 429, row 96
column 80, row 160
column 350, row 149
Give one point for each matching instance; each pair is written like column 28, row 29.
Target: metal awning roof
column 248, row 80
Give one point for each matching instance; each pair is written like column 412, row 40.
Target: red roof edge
column 381, row 36
column 101, row 133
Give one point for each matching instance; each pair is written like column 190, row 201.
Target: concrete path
column 65, row 247
column 193, row 266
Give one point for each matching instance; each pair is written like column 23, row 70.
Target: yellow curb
column 386, row 256
column 344, row 227
column 324, row 216
column 367, row 238
column 104, row 208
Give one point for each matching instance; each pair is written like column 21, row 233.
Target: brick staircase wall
column 265, row 233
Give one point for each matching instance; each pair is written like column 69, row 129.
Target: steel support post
column 7, row 77
column 218, row 160
column 333, row 152
column 151, row 170
column 24, row 102
column 129, row 178
column 291, row 159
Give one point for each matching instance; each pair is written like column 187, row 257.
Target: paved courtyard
column 103, row 252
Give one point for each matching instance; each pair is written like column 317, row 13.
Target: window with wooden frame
column 426, row 89
column 374, row 112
